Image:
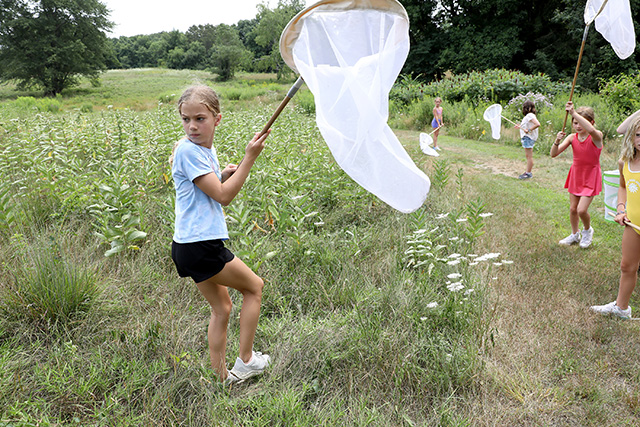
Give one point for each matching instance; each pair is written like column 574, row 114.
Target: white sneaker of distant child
column 587, row 238
column 570, row 239
column 613, row 310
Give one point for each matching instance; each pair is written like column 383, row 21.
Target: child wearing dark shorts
column 198, row 249
column 200, row 260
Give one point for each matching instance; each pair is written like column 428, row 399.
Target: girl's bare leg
column 628, row 266
column 435, row 138
column 583, row 211
column 574, row 218
column 238, row 276
column 528, row 152
column 218, row 298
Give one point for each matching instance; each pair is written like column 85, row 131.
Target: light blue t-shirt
column 198, row 216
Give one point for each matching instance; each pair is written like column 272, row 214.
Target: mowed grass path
column 554, row 362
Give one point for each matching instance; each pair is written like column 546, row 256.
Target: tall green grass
column 360, row 330
column 51, row 290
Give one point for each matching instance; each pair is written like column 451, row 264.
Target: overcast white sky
column 133, row 17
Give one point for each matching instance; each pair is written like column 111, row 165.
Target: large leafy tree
column 480, row 34
column 50, row 43
column 248, row 37
column 228, row 54
column 426, row 38
column 558, row 44
column 541, row 36
column 269, row 28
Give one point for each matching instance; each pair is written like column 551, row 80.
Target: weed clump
column 49, row 289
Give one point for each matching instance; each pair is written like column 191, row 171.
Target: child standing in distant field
column 198, row 249
column 585, row 176
column 628, row 210
column 528, row 135
column 437, row 121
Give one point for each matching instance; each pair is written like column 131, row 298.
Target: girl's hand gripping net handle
column 629, row 223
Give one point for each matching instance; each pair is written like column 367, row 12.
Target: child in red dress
column 585, row 176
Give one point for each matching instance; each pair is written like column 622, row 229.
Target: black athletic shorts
column 200, row 260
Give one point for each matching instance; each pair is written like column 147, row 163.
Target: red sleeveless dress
column 585, row 175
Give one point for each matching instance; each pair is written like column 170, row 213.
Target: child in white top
column 528, row 135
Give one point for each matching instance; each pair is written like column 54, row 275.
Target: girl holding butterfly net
column 584, row 180
column 198, row 249
column 437, row 121
column 528, row 135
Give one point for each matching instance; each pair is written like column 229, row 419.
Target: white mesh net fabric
column 493, row 114
column 614, row 23
column 426, row 143
column 349, row 59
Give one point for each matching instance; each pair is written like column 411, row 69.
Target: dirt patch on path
column 494, row 165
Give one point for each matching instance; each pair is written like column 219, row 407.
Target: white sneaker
column 587, row 238
column 437, row 148
column 613, row 310
column 256, row 366
column 231, row 379
column 570, row 239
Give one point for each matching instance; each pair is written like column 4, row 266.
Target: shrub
column 167, row 98
column 243, row 93
column 623, row 92
column 48, row 104
column 539, row 100
column 25, row 103
column 233, row 94
column 498, row 85
column 28, row 103
column 407, row 90
column 474, row 88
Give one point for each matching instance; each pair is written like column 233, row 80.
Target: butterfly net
column 349, row 53
column 493, row 115
column 614, row 22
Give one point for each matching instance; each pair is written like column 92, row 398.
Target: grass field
column 464, row 313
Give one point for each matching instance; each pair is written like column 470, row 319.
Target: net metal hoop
column 292, row 30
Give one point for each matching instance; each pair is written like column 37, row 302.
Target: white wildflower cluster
column 423, row 251
column 488, row 256
column 455, row 286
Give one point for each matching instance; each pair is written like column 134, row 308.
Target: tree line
column 49, row 43
column 249, row 45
